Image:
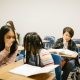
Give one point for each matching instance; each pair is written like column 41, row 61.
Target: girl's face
column 9, row 38
column 66, row 36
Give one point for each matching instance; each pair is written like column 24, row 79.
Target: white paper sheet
column 28, row 70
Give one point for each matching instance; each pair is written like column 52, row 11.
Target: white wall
column 47, row 17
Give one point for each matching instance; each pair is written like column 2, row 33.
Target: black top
column 59, row 44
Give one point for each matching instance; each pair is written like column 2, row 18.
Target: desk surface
column 6, row 75
column 78, row 45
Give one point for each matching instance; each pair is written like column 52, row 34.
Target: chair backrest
column 77, row 41
column 51, row 40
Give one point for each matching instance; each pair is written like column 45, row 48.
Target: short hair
column 69, row 30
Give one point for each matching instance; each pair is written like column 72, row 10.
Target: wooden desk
column 78, row 45
column 6, row 75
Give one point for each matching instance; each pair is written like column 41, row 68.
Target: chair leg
column 73, row 76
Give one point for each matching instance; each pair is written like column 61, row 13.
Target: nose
column 12, row 40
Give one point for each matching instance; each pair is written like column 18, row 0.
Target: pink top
column 46, row 58
column 4, row 57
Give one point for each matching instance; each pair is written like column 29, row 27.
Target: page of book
column 64, row 52
column 29, row 70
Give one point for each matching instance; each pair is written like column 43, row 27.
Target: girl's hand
column 8, row 46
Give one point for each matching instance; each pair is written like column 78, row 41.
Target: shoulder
column 44, row 51
column 60, row 39
column 46, row 57
column 72, row 42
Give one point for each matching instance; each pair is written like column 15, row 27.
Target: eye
column 13, row 37
column 9, row 37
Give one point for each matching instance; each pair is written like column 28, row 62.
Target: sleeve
column 73, row 46
column 46, row 57
column 58, row 44
column 13, row 57
column 3, row 54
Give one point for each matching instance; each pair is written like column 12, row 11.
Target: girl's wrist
column 7, row 49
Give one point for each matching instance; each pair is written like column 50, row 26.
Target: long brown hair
column 3, row 31
column 32, row 44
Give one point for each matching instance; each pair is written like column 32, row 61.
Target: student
column 8, row 45
column 35, row 54
column 66, row 42
column 11, row 24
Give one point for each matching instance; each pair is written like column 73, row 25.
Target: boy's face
column 66, row 36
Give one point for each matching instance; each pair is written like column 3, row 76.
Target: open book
column 64, row 52
column 29, row 70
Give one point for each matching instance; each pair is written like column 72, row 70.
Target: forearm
column 3, row 54
column 13, row 57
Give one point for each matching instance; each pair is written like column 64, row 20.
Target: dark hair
column 32, row 41
column 3, row 31
column 69, row 30
column 11, row 24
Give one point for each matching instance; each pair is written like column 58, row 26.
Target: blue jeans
column 57, row 60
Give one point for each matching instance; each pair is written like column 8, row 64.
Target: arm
column 12, row 58
column 72, row 46
column 3, row 54
column 58, row 44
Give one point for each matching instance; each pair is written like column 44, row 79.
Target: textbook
column 64, row 52
column 29, row 70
